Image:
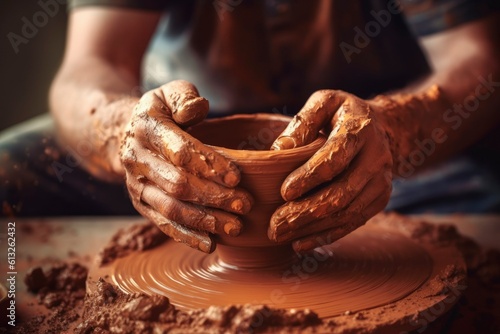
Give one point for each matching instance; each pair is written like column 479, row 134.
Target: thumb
column 305, row 126
column 184, row 101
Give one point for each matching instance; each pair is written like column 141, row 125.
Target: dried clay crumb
column 108, row 310
column 60, row 288
column 137, row 237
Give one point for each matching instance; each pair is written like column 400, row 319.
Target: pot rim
column 310, row 148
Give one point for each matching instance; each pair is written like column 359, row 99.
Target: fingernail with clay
column 237, row 205
column 232, row 229
column 206, row 246
column 231, row 179
column 242, row 205
column 283, row 143
column 290, row 192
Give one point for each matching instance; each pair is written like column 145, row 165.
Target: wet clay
column 246, row 140
column 475, row 303
column 370, row 268
column 375, row 266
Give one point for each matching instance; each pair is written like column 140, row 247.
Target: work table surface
column 42, row 241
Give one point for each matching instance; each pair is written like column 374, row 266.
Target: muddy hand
column 343, row 184
column 185, row 187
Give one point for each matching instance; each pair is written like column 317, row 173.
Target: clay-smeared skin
column 182, row 98
column 183, row 186
column 354, row 167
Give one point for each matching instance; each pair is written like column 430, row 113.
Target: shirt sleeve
column 427, row 17
column 157, row 5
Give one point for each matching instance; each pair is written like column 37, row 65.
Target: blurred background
column 27, row 74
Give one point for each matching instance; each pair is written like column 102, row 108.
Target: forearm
column 446, row 112
column 91, row 102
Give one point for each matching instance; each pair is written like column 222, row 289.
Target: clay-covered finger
column 189, row 215
column 305, row 126
column 194, row 239
column 190, row 188
column 161, row 134
column 323, row 203
column 184, row 101
column 353, row 210
column 351, row 223
column 330, row 160
column 225, row 222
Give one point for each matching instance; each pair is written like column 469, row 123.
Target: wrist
column 408, row 119
column 108, row 124
column 123, row 109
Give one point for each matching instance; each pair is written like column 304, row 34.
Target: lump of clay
column 69, row 277
column 138, row 237
column 109, row 310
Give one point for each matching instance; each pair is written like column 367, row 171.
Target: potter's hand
column 183, row 186
column 343, row 184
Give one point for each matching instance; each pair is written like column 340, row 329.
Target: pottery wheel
column 370, row 268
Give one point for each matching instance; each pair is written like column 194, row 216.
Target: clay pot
column 246, row 140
